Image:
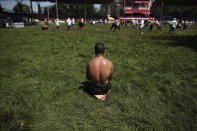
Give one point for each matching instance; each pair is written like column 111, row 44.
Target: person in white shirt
column 182, row 22
column 101, row 21
column 137, row 22
column 69, row 23
column 73, row 22
column 173, row 26
column 93, row 22
column 57, row 23
column 134, row 24
column 141, row 27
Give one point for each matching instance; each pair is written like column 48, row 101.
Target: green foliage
column 184, row 8
column 154, row 87
column 103, row 11
column 21, row 8
column 78, row 10
column 71, row 10
column 177, row 2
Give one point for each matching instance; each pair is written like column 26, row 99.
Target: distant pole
column 116, row 8
column 56, row 10
column 39, row 9
column 108, row 10
column 194, row 12
column 85, row 12
column 161, row 12
column 31, row 7
column 67, row 10
column 48, row 9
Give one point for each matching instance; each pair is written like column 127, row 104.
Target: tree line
column 78, row 10
column 68, row 10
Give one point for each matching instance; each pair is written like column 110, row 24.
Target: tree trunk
column 20, row 9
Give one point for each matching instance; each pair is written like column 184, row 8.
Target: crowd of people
column 174, row 25
column 70, row 23
column 134, row 23
column 139, row 24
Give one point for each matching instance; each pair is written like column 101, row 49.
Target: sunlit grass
column 154, row 88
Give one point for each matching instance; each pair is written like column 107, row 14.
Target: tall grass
column 41, row 75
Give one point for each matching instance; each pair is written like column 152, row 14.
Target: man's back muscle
column 100, row 70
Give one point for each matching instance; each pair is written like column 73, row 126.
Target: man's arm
column 87, row 73
column 112, row 73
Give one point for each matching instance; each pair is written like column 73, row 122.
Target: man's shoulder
column 92, row 60
column 108, row 61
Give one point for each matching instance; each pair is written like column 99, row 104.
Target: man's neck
column 99, row 55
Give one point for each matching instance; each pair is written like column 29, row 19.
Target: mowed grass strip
column 41, row 75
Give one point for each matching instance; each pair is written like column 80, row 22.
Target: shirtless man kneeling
column 100, row 71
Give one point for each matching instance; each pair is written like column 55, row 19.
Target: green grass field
column 42, row 75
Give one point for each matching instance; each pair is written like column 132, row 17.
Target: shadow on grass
column 86, row 86
column 187, row 41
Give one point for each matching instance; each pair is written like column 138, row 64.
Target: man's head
column 99, row 48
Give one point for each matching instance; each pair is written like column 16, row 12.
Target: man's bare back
column 100, row 71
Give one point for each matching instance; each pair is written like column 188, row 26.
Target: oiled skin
column 99, row 70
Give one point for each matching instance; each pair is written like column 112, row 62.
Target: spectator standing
column 151, row 26
column 81, row 23
column 141, row 27
column 173, row 24
column 114, row 25
column 69, row 23
column 57, row 23
column 185, row 25
column 73, row 22
column 101, row 21
column 158, row 25
column 134, row 23
column 118, row 24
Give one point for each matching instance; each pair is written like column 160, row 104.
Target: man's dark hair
column 99, row 48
